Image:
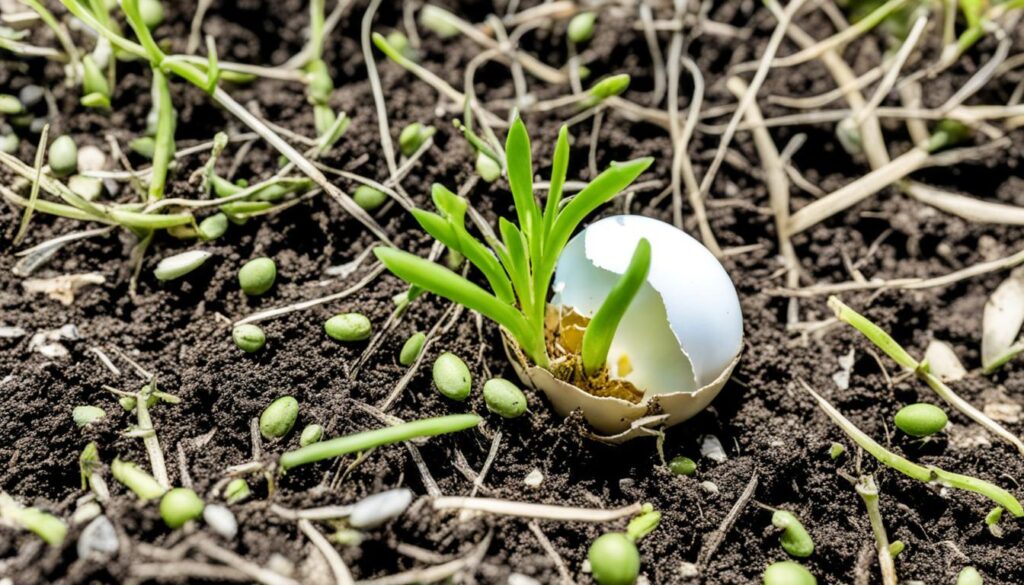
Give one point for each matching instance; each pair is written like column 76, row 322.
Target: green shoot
column 895, row 351
column 366, row 440
column 926, row 474
column 88, row 461
column 34, row 193
column 134, row 478
column 45, row 525
column 597, row 339
column 520, row 266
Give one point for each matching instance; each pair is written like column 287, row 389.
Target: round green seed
column 795, row 539
column 257, row 276
column 9, row 143
column 451, row 376
column 152, row 12
column 87, row 415
column 278, row 419
column 180, row 505
column 969, row 576
column 413, row 136
column 249, row 338
column 10, row 105
column 348, row 327
column 614, row 559
column 236, row 491
column 921, row 420
column 581, row 27
column 487, row 168
column 311, row 434
column 369, row 198
column 788, row 573
column 213, row 227
column 63, row 156
column 682, row 465
column 411, row 349
column 504, row 398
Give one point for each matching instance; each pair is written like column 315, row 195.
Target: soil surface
column 771, row 430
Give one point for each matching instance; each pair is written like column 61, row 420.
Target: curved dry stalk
column 657, row 61
column 823, row 99
column 365, row 31
column 342, row 576
column 842, row 37
column 530, row 510
column 968, row 208
column 889, row 81
column 278, row 311
column 437, row 573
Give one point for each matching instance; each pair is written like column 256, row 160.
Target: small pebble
column 712, row 448
column 91, row 158
column 969, row 576
column 87, row 415
column 30, row 95
column 375, row 510
column 534, row 479
column 98, row 537
column 710, row 487
column 348, row 327
column 451, row 376
column 221, row 520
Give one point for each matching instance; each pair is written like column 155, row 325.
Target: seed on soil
column 179, row 265
column 413, row 136
column 10, row 105
column 644, row 523
column 581, row 27
column 896, row 547
column 438, row 21
column 375, row 510
column 9, row 143
column 488, row 169
column 179, row 506
column 63, row 156
column 836, row 451
column 213, row 227
column 87, row 415
column 610, row 86
column 795, row 539
column 278, row 419
column 451, row 376
column 969, row 576
column 236, row 491
column 614, row 559
column 921, row 420
column 311, row 434
column 221, row 520
column 152, row 12
column 681, row 465
column 257, row 276
column 504, row 398
column 369, row 198
column 411, row 349
column 348, row 327
column 788, row 573
column 91, row 158
column 248, row 337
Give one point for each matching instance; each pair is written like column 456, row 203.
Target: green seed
column 993, row 517
column 144, row 146
column 180, row 505
column 896, row 547
column 682, row 465
column 87, row 415
column 249, row 338
column 9, row 143
column 487, row 168
column 969, row 576
column 88, row 188
column 921, row 420
column 93, row 79
column 152, row 12
column 63, row 156
column 581, row 27
column 504, row 398
column 795, row 539
column 127, row 403
column 413, row 136
column 180, row 264
column 411, row 349
column 836, row 451
column 278, row 419
column 614, row 559
column 257, row 276
column 236, row 491
column 610, row 86
column 311, row 434
column 400, row 43
column 145, row 486
column 643, row 523
column 451, row 376
column 438, row 21
column 788, row 573
column 369, row 198
column 213, row 227
column 10, row 105
column 348, row 327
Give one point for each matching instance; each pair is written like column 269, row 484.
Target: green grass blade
column 517, row 263
column 597, row 339
column 519, row 163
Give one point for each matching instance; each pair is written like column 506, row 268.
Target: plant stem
column 597, row 339
column 357, row 442
column 163, row 152
column 868, row 491
column 152, row 443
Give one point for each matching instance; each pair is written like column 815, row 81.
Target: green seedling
column 451, row 376
column 926, row 474
column 134, row 478
column 279, row 417
column 411, row 349
column 236, row 491
column 311, row 434
column 180, row 505
column 213, row 227
column 349, row 327
column 369, row 198
column 788, row 573
column 366, row 440
column 248, row 337
column 413, row 136
column 795, row 539
column 518, row 268
column 257, row 276
column 581, row 27
column 488, row 168
column 88, row 462
column 897, row 547
column 46, row 526
column 836, row 451
column 504, row 398
column 95, row 89
column 921, row 420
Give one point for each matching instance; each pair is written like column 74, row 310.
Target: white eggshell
column 683, row 330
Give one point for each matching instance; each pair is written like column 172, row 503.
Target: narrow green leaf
column 438, row 227
column 519, row 267
column 519, row 162
column 874, row 333
column 559, row 168
column 597, row 339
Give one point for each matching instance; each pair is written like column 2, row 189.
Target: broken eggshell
column 677, row 343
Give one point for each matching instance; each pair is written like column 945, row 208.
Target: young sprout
column 279, row 417
column 788, row 573
column 488, row 168
column 411, row 349
column 451, row 376
column 836, row 451
column 257, row 276
column 413, row 136
column 63, row 156
column 795, row 539
column 366, row 440
column 95, row 89
column 88, row 461
column 681, row 465
column 581, row 27
column 236, row 491
column 43, row 524
column 179, row 265
column 213, row 227
column 179, row 506
column 969, row 576
column 400, row 43
column 597, row 339
column 348, row 327
column 134, row 478
column 608, row 87
column 311, row 434
column 369, row 198
column 87, row 415
column 504, row 398
column 248, row 337
column 437, row 21
column 896, row 548
column 921, row 420
column 643, row 523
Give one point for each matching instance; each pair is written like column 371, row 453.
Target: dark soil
column 770, row 428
